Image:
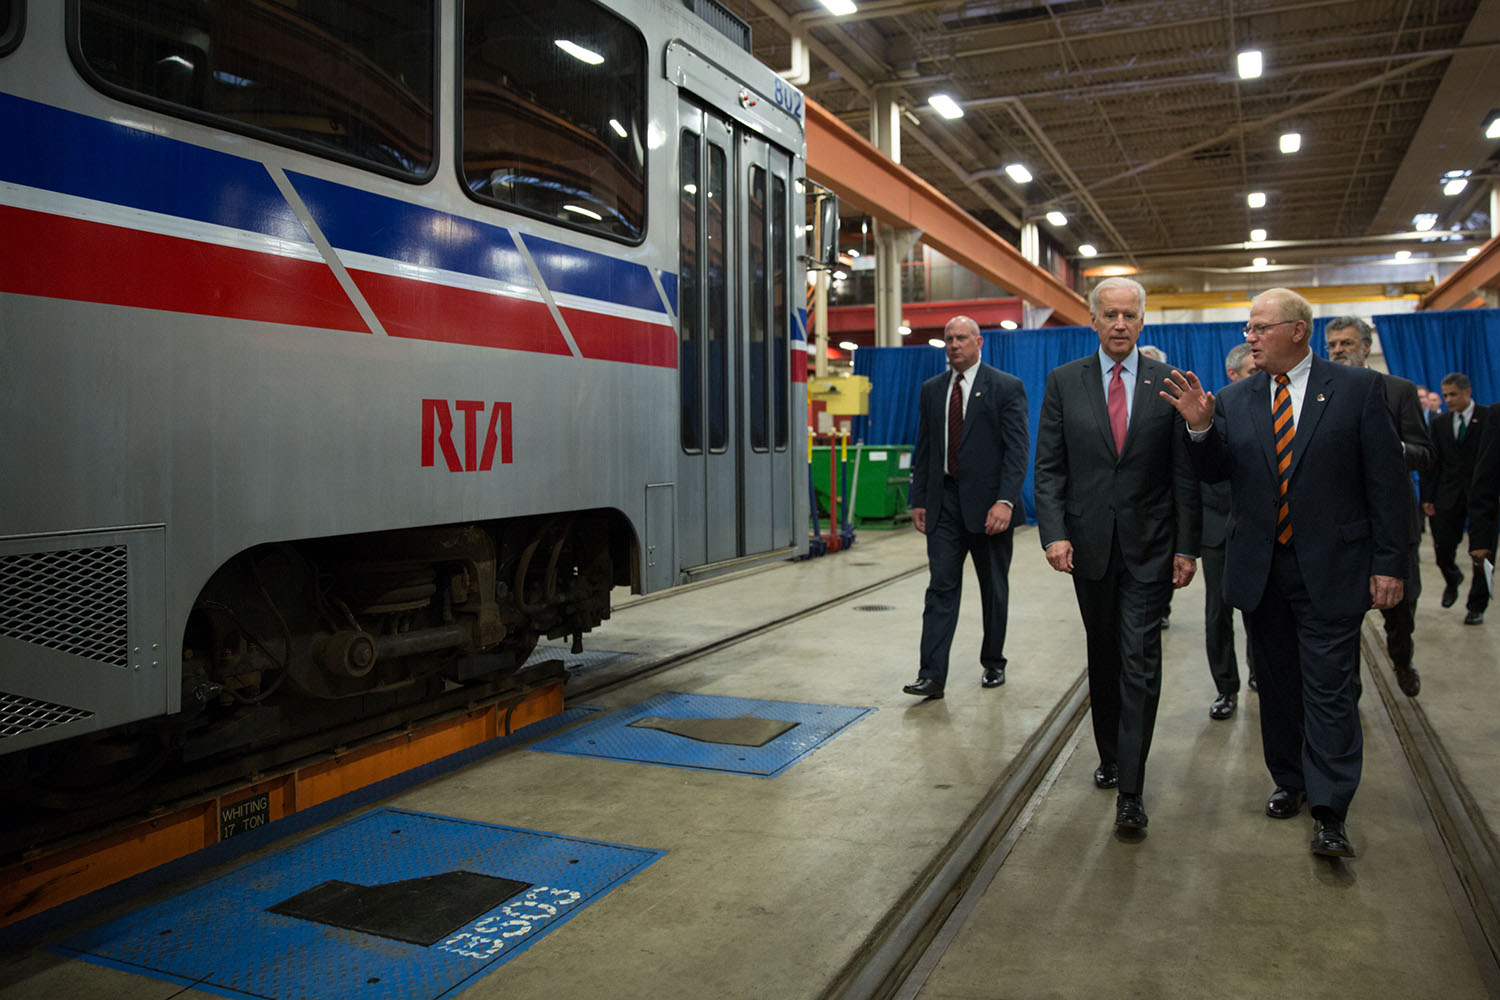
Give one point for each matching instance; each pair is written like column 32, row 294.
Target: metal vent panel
column 19, row 714
column 71, row 600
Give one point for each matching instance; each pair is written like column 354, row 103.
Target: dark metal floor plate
column 224, row 938
column 615, row 738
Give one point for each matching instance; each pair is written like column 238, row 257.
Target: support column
column 890, row 247
column 820, row 324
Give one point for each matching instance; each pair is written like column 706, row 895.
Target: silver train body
column 348, row 348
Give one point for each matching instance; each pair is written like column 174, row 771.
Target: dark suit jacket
column 1446, row 486
column 1215, row 513
column 1347, row 492
column 992, row 454
column 1086, row 493
column 1401, row 400
column 1484, row 488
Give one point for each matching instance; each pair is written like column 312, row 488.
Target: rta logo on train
column 437, row 434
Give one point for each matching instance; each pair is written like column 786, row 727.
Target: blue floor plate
column 612, row 737
column 220, row 937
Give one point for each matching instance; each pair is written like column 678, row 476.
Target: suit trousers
column 1122, row 622
column 1401, row 620
column 1218, row 623
column 1305, row 664
column 1447, row 533
column 947, row 546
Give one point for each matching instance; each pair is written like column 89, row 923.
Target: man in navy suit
column 1484, row 493
column 1445, row 489
column 971, row 454
column 1118, row 507
column 1317, row 535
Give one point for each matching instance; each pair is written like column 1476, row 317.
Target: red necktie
column 1117, row 408
column 955, row 423
column 1283, row 430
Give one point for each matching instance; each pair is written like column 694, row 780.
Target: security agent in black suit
column 1117, row 507
column 1484, row 491
column 1445, row 490
column 1349, row 341
column 963, row 494
column 1218, row 616
column 1317, row 535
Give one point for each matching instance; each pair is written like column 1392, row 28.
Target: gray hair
column 1235, row 359
column 1365, row 330
column 1154, row 353
column 1134, row 286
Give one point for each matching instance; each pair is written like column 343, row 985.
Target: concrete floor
column 769, row 886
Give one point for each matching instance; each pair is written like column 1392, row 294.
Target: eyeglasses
column 1260, row 329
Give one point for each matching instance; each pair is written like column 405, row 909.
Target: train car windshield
column 352, row 80
column 554, row 98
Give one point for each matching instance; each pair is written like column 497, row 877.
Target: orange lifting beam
column 48, row 878
column 861, row 175
column 1460, row 290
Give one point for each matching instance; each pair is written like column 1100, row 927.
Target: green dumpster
column 879, row 476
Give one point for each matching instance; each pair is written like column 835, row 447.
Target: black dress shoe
column 924, row 687
column 1409, row 680
column 1474, row 618
column 1285, row 803
column 1254, row 684
column 1129, row 813
column 1450, row 593
column 1223, row 706
column 1330, row 841
column 993, row 677
column 1106, row 775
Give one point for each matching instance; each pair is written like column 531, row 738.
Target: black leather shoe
column 1285, row 803
column 1129, row 813
column 924, row 687
column 1450, row 593
column 1330, row 841
column 1223, row 706
column 1474, row 618
column 993, row 677
column 1106, row 775
column 1409, row 680
column 1254, row 684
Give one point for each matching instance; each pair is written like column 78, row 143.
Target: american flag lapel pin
column 1322, row 398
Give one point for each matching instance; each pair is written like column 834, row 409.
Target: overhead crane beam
column 842, row 160
column 1460, row 288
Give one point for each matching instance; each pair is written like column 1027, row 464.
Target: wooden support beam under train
column 862, row 176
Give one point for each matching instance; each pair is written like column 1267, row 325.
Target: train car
column 347, row 347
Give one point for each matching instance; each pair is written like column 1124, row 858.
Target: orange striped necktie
column 1283, row 430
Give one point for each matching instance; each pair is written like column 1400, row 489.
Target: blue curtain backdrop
column 1421, row 346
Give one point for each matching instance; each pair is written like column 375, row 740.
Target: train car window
column 716, row 278
column 350, row 81
column 780, row 315
column 756, row 234
column 554, row 113
column 12, row 17
column 689, row 300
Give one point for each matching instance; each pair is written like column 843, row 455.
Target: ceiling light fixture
column 1493, row 131
column 1472, row 251
column 1008, row 324
column 1403, row 254
column 1423, row 222
column 839, row 8
column 848, row 345
column 1256, row 199
column 579, row 52
column 1057, row 218
column 1291, row 142
column 935, row 343
column 1259, row 262
column 1249, row 64
column 1018, row 173
column 945, row 106
column 1087, row 250
column 1454, row 181
column 1257, row 236
column 904, row 330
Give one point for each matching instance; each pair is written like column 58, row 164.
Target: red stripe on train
column 421, row 310
column 611, row 338
column 62, row 258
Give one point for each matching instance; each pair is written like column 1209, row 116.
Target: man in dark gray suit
column 1349, row 341
column 1317, row 534
column 967, row 467
column 1445, row 489
column 1117, row 507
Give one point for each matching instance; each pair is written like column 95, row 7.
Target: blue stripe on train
column 572, row 271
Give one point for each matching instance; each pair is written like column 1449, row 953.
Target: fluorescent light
column 1472, row 251
column 1455, row 186
column 1018, row 173
column 1257, row 236
column 1291, row 142
column 935, row 343
column 619, row 129
column 1493, row 132
column 1087, row 250
column 1403, row 254
column 945, row 106
column 1249, row 62
column 1057, row 218
column 1008, row 324
column 579, row 52
column 586, row 213
column 848, row 345
column 1259, row 262
column 904, row 330
column 1423, row 222
column 840, row 8
column 1256, row 199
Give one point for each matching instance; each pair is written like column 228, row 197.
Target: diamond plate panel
column 613, row 738
column 576, row 663
column 221, row 938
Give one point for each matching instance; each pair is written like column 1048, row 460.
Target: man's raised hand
column 1189, row 398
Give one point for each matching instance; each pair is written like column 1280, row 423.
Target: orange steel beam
column 844, row 161
column 1457, row 291
column 45, row 879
